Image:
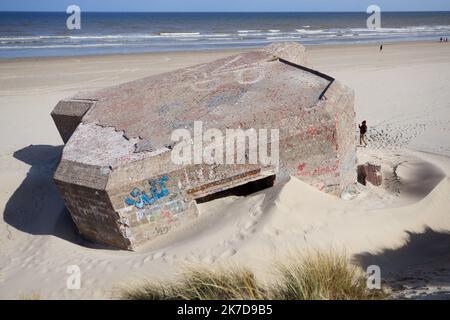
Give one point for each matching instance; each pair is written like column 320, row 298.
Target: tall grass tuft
column 33, row 296
column 312, row 276
column 321, row 276
column 202, row 284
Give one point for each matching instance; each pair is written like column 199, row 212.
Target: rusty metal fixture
column 371, row 173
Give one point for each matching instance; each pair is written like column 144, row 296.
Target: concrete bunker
column 116, row 175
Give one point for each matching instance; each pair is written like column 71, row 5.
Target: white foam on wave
column 248, row 31
column 179, row 34
column 220, row 39
column 18, row 38
column 284, row 38
column 63, row 46
column 216, row 35
column 304, row 31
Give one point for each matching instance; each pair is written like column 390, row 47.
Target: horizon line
column 95, row 11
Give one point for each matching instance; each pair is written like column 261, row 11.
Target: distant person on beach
column 442, row 39
column 362, row 133
column 381, row 48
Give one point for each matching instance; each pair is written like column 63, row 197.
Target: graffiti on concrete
column 301, row 167
column 160, row 230
column 318, row 171
column 167, row 212
column 244, row 74
column 345, row 166
column 162, row 217
column 141, row 199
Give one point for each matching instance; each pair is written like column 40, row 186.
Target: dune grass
column 202, row 284
column 314, row 276
column 32, row 296
column 321, row 276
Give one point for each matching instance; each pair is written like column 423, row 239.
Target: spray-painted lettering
column 141, row 199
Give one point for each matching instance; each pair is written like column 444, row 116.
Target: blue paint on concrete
column 141, row 199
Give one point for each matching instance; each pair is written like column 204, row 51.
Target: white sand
column 402, row 226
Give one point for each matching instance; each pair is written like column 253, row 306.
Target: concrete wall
column 83, row 190
column 68, row 114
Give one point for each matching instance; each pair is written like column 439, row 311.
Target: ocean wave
column 248, row 31
column 310, row 31
column 179, row 34
column 65, row 46
column 284, row 38
column 221, row 39
column 304, row 30
column 186, row 39
column 226, row 37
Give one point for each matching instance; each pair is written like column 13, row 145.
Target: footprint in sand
column 248, row 229
column 235, row 238
column 159, row 255
column 255, row 211
column 103, row 263
column 170, row 259
column 149, row 258
column 228, row 253
column 209, row 259
column 191, row 258
column 249, row 225
column 272, row 232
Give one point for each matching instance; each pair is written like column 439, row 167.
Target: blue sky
column 224, row 5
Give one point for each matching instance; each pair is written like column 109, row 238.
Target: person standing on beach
column 381, row 48
column 362, row 133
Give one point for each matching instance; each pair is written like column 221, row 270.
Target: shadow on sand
column 36, row 206
column 424, row 260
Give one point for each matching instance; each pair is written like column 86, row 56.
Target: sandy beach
column 402, row 226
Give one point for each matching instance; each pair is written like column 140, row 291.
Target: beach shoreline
column 215, row 51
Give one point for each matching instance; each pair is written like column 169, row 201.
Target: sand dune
column 403, row 226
